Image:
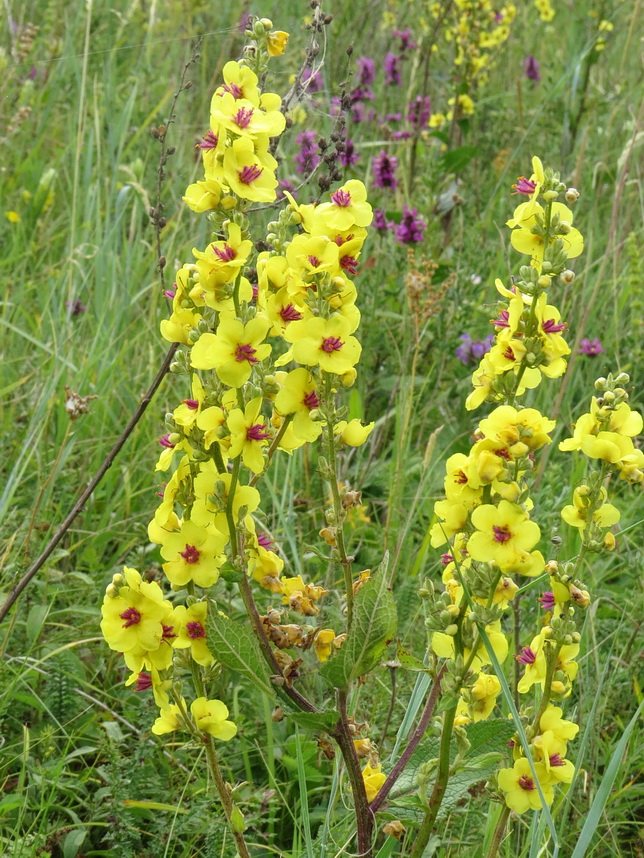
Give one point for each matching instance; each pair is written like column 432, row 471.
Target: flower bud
column 622, row 378
column 111, row 591
column 564, row 227
column 237, row 820
column 266, row 23
column 551, row 567
column 550, row 196
column 567, row 276
column 600, row 384
column 572, row 195
column 609, row 541
column 451, row 630
column 117, row 579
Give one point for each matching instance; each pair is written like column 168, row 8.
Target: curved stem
column 363, row 811
column 345, row 560
column 82, row 500
column 499, row 831
column 417, row 735
column 438, row 792
column 224, row 796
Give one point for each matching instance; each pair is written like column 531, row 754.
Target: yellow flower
column 576, row 514
column 504, row 535
column 248, row 435
column 221, row 262
column 552, row 752
column 191, row 623
column 246, row 175
column 13, row 217
column 168, row 721
column 246, row 119
column 324, row 644
column 348, row 206
column 511, row 427
column 326, row 343
column 353, row 433
column 313, row 254
column 561, row 729
column 233, row 350
column 210, row 717
column 194, row 553
column 203, row 196
column 209, row 483
column 373, row 779
column 520, row 788
column 240, row 82
column 443, row 646
column 297, row 396
column 134, row 618
column 276, row 43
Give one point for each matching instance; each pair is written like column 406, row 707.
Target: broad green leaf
column 457, row 159
column 374, row 625
column 322, row 722
column 73, row 842
column 409, row 661
column 235, row 647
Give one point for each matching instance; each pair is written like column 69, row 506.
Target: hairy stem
column 438, row 792
column 416, row 736
column 499, row 831
column 363, row 812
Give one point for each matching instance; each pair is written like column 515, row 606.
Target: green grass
column 80, row 170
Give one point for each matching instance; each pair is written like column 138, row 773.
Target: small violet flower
column 406, row 41
column 380, row 221
column 308, row 157
column 366, row 70
column 531, row 68
column 348, row 156
column 419, row 111
column 384, row 168
column 590, row 347
column 411, row 228
column 393, row 76
column 471, row 351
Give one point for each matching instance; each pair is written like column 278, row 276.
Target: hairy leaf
column 374, row 625
column 235, row 647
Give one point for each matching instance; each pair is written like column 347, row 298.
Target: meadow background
column 81, row 84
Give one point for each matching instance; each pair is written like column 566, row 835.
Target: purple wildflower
column 406, row 41
column 313, row 80
column 419, row 111
column 393, row 76
column 308, row 157
column 590, row 347
column 411, row 228
column 366, row 70
column 358, row 112
column 286, row 185
column 384, row 169
column 531, row 68
column 393, row 117
column 401, row 135
column 348, row 157
column 335, row 105
column 380, row 221
column 471, row 351
column 75, row 307
column 245, row 21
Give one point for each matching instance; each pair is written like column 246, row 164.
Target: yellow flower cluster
column 529, row 341
column 265, row 360
column 476, row 29
column 545, row 10
column 485, row 516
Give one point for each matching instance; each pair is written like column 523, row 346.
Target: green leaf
column 457, row 159
column 409, row 661
column 73, row 842
column 322, row 722
column 374, row 625
column 236, row 648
